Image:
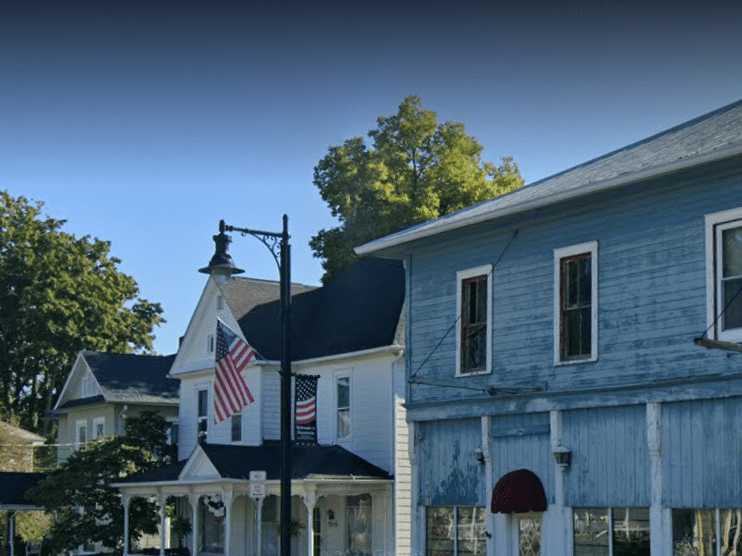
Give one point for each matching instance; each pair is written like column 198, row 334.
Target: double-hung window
column 236, row 427
column 576, row 303
column 99, row 427
column 342, row 385
column 455, row 531
column 202, row 413
column 81, row 433
column 474, row 317
column 724, row 261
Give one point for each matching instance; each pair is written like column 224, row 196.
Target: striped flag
column 231, row 394
column 305, row 409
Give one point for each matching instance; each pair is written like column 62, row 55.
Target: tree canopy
column 413, row 169
column 59, row 294
column 84, row 481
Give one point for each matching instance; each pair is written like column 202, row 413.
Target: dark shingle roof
column 244, row 294
column 14, row 487
column 236, row 462
column 359, row 310
column 716, row 133
column 133, row 378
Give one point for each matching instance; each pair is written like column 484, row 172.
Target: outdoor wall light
column 563, row 456
column 479, row 455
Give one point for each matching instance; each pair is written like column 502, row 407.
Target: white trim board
column 590, row 247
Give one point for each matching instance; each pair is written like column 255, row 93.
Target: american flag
column 232, row 356
column 305, row 409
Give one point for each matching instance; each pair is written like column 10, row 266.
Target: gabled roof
column 713, row 136
column 18, row 434
column 128, row 378
column 244, row 294
column 359, row 310
column 236, row 462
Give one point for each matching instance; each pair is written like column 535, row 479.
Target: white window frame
column 591, row 248
column 714, row 303
column 483, row 270
column 79, row 424
column 98, row 421
column 336, row 379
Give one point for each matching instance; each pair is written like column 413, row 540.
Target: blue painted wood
column 702, row 453
column 651, row 288
column 525, row 451
column 610, row 460
column 448, row 468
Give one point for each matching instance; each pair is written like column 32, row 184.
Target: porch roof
column 236, row 462
column 14, row 488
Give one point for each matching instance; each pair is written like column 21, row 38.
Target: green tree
column 414, row 169
column 58, row 294
column 84, row 482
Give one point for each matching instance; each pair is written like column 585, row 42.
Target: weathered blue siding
column 652, row 297
column 448, row 468
column 610, row 460
column 702, row 453
column 522, row 441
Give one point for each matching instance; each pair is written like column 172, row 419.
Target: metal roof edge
column 596, row 187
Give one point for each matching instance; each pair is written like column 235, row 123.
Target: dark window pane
column 203, row 397
column 237, row 427
column 591, row 532
column 585, row 281
column 733, row 316
column 474, row 324
column 732, row 252
column 693, row 532
column 439, row 531
column 630, row 532
column 576, row 307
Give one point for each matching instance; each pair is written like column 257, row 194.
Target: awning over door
column 518, row 492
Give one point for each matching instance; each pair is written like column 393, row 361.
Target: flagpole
column 223, row 262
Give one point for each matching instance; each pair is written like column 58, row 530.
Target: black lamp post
column 221, row 264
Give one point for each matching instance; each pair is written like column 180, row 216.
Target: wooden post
column 227, row 499
column 194, row 500
column 161, row 501
column 488, row 479
column 125, row 501
column 259, row 519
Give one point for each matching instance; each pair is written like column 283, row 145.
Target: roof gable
column 199, row 467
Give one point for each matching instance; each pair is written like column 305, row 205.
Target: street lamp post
column 279, row 247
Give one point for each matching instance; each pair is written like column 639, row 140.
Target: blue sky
column 145, row 126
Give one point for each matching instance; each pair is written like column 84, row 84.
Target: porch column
column 11, row 533
column 489, row 517
column 193, row 499
column 227, row 499
column 125, row 501
column 259, row 527
column 557, row 523
column 162, row 501
column 310, row 501
column 660, row 519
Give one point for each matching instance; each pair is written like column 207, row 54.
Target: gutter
column 596, row 187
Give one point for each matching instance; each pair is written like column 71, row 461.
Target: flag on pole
column 305, row 409
column 231, row 394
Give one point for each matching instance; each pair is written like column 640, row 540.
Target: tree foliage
column 84, row 481
column 58, row 294
column 414, row 169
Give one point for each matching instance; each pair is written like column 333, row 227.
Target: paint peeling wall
column 610, row 460
column 449, row 471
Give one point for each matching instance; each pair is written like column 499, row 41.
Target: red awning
column 518, row 492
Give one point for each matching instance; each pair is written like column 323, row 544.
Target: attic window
column 210, row 343
column 219, row 303
column 88, row 387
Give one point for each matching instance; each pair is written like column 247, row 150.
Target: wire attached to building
column 412, row 380
column 710, row 343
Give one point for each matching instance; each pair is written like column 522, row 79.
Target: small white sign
column 257, row 484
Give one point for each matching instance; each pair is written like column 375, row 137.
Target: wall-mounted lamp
column 563, row 456
column 479, row 456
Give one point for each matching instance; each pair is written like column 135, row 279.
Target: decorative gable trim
column 79, row 361
column 199, row 467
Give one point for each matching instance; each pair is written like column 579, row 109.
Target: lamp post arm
column 271, row 240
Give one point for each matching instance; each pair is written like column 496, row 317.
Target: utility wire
column 455, row 322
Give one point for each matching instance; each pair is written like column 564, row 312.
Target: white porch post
column 558, row 526
column 489, row 517
column 194, row 499
column 310, row 501
column 227, row 499
column 259, row 528
column 660, row 519
column 125, row 501
column 11, row 533
column 161, row 501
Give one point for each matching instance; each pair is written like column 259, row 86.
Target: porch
column 341, row 503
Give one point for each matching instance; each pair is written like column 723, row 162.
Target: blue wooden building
column 574, row 384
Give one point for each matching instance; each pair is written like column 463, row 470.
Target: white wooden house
column 351, row 489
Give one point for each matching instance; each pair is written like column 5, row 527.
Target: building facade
column 350, row 488
column 573, row 378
